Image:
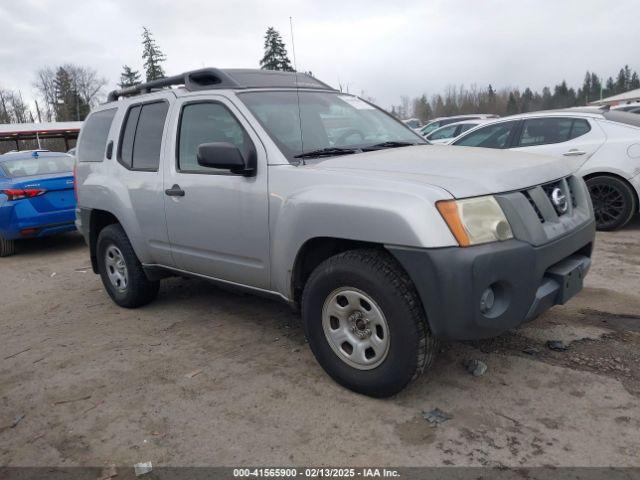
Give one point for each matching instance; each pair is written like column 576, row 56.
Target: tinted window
column 94, row 136
column 579, row 128
column 495, row 135
column 207, row 123
column 146, row 148
column 126, row 144
column 444, row 132
column 543, row 131
column 431, row 127
column 464, row 127
column 142, row 136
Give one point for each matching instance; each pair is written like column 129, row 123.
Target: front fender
column 392, row 217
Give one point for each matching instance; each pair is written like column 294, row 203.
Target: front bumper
column 525, row 279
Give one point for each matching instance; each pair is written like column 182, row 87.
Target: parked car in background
column 629, row 107
column 447, row 133
column 442, row 121
column 413, row 123
column 385, row 244
column 36, row 196
column 603, row 146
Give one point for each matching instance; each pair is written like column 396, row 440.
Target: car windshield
column 326, row 123
column 40, row 165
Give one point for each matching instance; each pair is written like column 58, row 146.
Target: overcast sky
column 384, row 48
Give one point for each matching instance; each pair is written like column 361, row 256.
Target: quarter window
column 94, row 136
column 579, row 128
column 495, row 135
column 141, row 137
column 207, row 123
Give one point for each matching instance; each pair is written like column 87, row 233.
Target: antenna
column 295, row 68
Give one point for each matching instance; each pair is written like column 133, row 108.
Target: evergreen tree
column 69, row 104
column 527, row 100
column 512, row 105
column 152, row 56
column 128, row 77
column 634, row 83
column 275, row 53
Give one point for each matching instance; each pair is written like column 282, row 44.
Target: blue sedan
column 36, row 196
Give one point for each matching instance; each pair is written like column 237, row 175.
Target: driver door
column 217, row 221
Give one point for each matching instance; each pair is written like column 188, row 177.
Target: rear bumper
column 524, row 279
column 13, row 221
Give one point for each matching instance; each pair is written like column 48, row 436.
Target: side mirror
column 224, row 155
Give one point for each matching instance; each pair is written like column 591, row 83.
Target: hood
column 462, row 171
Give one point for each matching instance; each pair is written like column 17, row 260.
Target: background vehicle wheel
column 121, row 271
column 7, row 247
column 614, row 203
column 365, row 323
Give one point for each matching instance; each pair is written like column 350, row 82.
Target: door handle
column 574, row 153
column 174, row 191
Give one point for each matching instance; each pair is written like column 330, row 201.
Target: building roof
column 40, row 128
column 630, row 96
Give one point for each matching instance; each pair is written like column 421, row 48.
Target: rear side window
column 94, row 136
column 141, row 136
column 496, row 135
column 543, row 131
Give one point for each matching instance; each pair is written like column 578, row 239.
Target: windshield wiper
column 388, row 144
column 325, row 152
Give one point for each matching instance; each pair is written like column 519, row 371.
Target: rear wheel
column 121, row 271
column 365, row 323
column 7, row 247
column 614, row 202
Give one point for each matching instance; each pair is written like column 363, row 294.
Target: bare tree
column 86, row 87
column 13, row 109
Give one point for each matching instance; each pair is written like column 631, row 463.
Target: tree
column 68, row 91
column 129, row 77
column 634, row 83
column 422, row 109
column 275, row 53
column 152, row 56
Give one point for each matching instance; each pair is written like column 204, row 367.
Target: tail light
column 20, row 193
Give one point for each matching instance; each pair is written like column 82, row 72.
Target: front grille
column 542, row 202
column 533, row 205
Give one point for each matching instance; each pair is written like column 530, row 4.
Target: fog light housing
column 487, row 300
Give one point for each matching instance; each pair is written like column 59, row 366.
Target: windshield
column 329, row 121
column 42, row 165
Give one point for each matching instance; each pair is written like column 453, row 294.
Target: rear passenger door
column 572, row 138
column 218, row 226
column 140, row 147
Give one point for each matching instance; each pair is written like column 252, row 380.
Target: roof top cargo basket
column 214, row 78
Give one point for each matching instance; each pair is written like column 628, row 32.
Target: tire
column 376, row 277
column 614, row 202
column 121, row 271
column 7, row 247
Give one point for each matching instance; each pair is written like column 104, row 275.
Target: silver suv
column 275, row 183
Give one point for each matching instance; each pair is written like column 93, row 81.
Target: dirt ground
column 203, row 376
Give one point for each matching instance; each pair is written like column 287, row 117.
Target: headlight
column 475, row 220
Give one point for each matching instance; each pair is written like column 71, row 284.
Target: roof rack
column 212, row 78
column 202, row 79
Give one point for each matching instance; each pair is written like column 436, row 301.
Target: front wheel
column 614, row 202
column 365, row 323
column 121, row 272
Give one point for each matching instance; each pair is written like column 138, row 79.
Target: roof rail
column 202, row 79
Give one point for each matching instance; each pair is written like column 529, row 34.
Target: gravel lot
column 203, row 376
